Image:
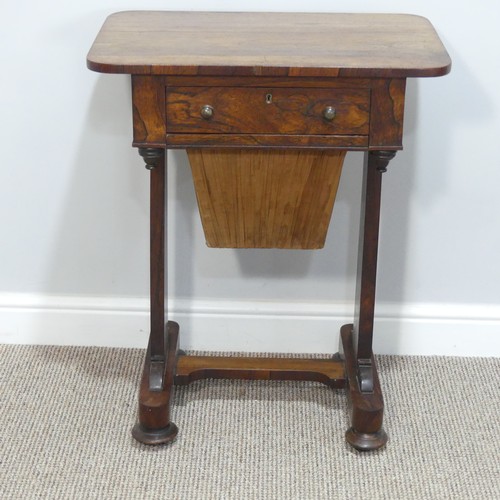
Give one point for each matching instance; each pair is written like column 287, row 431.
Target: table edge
column 100, row 65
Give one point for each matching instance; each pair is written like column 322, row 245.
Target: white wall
column 74, row 198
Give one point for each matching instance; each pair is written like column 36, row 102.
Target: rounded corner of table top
column 94, row 65
column 443, row 70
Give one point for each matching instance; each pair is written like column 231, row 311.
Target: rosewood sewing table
column 267, row 106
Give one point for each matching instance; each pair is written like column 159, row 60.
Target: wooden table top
column 271, row 44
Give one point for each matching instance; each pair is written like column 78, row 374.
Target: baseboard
column 415, row 329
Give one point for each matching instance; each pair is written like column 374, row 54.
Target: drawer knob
column 329, row 113
column 207, row 112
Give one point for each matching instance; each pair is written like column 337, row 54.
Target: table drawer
column 250, row 110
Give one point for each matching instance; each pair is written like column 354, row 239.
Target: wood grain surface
column 326, row 371
column 272, row 44
column 281, row 141
column 271, row 110
column 265, row 198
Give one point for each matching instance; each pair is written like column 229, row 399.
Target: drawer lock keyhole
column 269, row 98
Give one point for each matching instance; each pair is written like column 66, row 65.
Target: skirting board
column 218, row 325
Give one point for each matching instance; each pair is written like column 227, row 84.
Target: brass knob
column 207, row 112
column 329, row 113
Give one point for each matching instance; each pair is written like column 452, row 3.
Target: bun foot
column 155, row 436
column 366, row 442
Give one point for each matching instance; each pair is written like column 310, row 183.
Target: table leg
column 154, row 426
column 366, row 396
column 375, row 164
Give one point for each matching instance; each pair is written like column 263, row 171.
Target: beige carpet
column 66, row 415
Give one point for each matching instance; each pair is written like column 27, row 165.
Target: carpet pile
column 66, row 415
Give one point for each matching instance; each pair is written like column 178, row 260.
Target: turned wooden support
column 375, row 164
column 155, row 163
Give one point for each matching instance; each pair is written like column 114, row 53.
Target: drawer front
column 249, row 110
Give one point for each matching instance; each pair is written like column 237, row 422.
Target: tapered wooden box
column 265, row 199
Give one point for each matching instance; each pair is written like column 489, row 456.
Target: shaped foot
column 366, row 442
column 155, row 436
